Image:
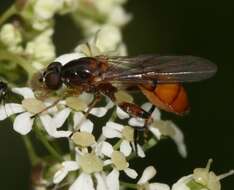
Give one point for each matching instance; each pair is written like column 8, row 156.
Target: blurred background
column 199, row 28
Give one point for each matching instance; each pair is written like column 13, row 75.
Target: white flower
column 118, row 16
column 89, row 165
column 69, row 6
column 10, row 36
column 52, row 124
column 30, row 105
column 108, row 39
column 148, row 174
column 45, row 9
column 201, row 179
column 81, row 104
column 117, row 159
column 161, row 128
column 126, row 134
column 65, row 168
column 41, row 49
column 168, row 128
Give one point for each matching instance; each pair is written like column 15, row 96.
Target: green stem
column 128, row 185
column 117, row 145
column 7, row 14
column 5, row 55
column 30, row 150
column 47, row 145
column 151, row 143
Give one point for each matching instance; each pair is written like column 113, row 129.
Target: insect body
column 3, row 91
column 158, row 77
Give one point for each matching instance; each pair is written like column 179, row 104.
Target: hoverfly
column 159, row 78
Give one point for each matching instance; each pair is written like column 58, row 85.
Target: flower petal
column 114, row 125
column 156, row 115
column 71, row 165
column 181, row 183
column 159, row 186
column 51, row 129
column 84, row 181
column 67, row 166
column 109, row 132
column 147, row 175
column 86, row 126
column 139, row 122
column 101, row 182
column 121, row 114
column 125, row 148
column 78, row 116
column 23, row 123
column 178, row 137
column 106, row 149
column 60, row 117
column 112, row 180
column 60, row 175
column 25, row 92
column 109, row 104
column 9, row 109
column 140, row 151
column 61, row 134
column 99, row 112
column 131, row 173
column 155, row 132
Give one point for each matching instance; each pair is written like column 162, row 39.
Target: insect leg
column 96, row 99
column 47, row 108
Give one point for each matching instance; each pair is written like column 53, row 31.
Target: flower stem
column 47, row 145
column 117, row 145
column 5, row 55
column 7, row 14
column 128, row 185
column 30, row 150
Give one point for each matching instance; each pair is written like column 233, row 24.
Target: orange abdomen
column 168, row 97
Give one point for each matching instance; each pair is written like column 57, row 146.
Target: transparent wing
column 163, row 69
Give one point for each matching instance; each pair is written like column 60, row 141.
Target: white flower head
column 119, row 17
column 41, row 49
column 45, row 9
column 29, row 107
column 90, row 166
column 126, row 134
column 107, row 40
column 10, row 36
column 117, row 159
column 148, row 174
column 202, row 178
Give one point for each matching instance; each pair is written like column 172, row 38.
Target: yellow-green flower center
column 123, row 96
column 119, row 160
column 83, row 139
column 76, row 103
column 164, row 127
column 33, row 105
column 128, row 133
column 90, row 163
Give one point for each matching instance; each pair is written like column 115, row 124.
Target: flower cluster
column 101, row 139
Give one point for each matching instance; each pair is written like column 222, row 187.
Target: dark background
column 199, row 28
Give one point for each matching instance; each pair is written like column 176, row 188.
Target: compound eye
column 53, row 81
column 84, row 75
